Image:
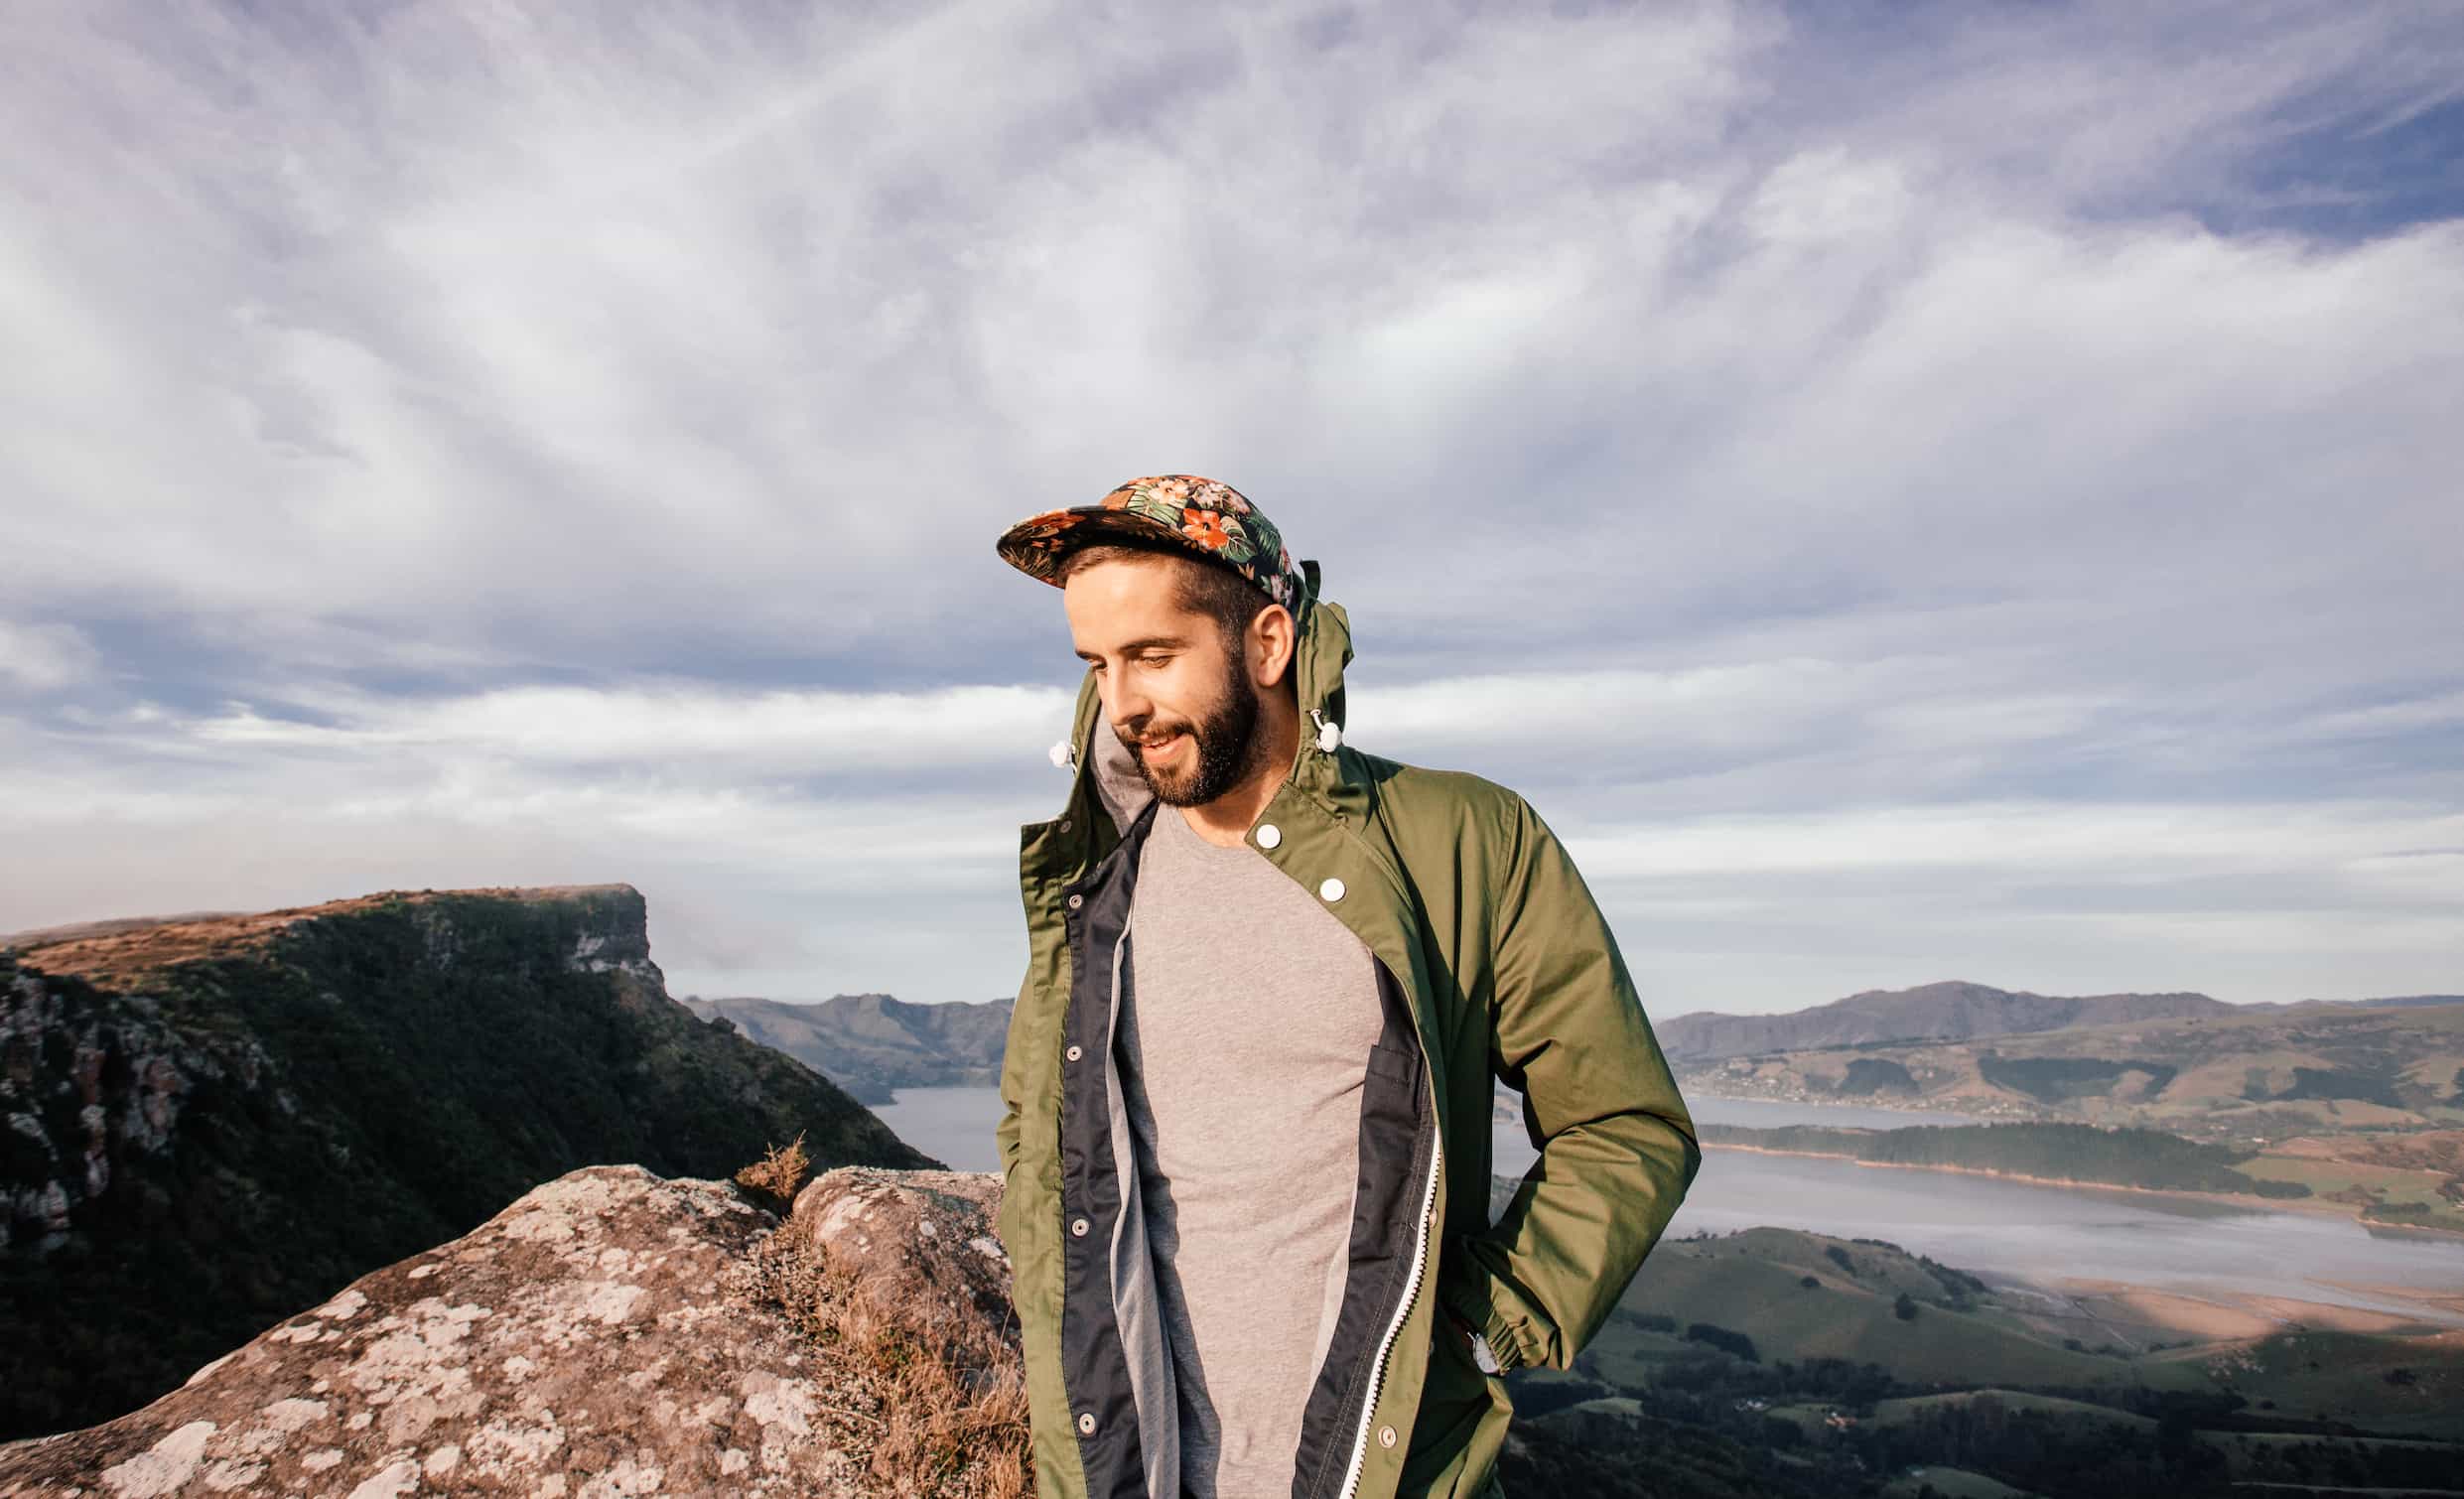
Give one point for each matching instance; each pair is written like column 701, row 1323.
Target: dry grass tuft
column 934, row 1402
column 778, row 1173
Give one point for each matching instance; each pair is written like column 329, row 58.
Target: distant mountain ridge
column 872, row 1044
column 1953, row 1010
column 213, row 1123
column 2393, row 1002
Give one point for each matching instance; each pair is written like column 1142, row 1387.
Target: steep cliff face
column 612, row 1333
column 210, row 1124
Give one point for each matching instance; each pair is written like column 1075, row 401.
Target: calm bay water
column 955, row 1124
column 952, row 1124
column 2013, row 1229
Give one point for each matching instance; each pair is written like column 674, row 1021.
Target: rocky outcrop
column 914, row 1244
column 611, row 1332
column 206, row 1124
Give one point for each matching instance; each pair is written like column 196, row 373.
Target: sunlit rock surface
column 600, row 1336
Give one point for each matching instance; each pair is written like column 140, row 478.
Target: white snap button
column 1064, row 824
column 1086, row 1422
column 1269, row 835
column 1076, row 901
column 1386, row 1437
column 1078, row 1227
column 1330, row 889
column 1075, row 1053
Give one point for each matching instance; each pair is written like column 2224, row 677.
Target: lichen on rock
column 611, row 1332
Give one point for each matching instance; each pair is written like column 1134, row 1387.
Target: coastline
column 1923, row 1110
column 2212, row 1317
column 2249, row 1200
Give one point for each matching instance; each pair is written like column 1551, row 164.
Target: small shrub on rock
column 779, row 1173
column 934, row 1402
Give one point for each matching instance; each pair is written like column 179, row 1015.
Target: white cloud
column 2120, row 845
column 778, row 731
column 456, row 441
column 40, row 658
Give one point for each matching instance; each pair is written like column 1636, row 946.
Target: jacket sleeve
column 1617, row 1146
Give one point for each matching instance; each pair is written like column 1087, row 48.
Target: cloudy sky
column 1908, row 492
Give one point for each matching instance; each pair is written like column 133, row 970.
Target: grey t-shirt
column 1243, row 1043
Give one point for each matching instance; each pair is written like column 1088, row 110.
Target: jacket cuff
column 1464, row 1297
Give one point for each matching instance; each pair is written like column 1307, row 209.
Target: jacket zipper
column 1403, row 1308
column 1358, row 1467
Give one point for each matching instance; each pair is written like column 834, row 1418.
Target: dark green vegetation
column 2054, row 1152
column 1611, row 1447
column 2055, row 1079
column 1869, row 1075
column 872, row 1044
column 2375, row 1087
column 1734, row 1344
column 203, row 1146
column 1839, row 1368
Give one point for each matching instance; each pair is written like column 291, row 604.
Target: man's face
column 1174, row 690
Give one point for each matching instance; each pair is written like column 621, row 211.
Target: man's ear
column 1272, row 639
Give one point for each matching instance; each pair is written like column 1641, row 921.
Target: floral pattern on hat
column 1212, row 520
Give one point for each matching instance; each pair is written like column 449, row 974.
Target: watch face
column 1483, row 1355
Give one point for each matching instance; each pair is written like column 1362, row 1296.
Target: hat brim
column 1038, row 545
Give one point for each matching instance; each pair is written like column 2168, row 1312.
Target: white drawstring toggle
column 1329, row 736
column 1063, row 757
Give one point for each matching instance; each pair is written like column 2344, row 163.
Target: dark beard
column 1226, row 740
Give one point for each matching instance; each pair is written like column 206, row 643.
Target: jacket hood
column 1323, row 649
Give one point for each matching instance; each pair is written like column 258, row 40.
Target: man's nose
column 1126, row 704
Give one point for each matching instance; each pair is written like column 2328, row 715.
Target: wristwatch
column 1482, row 1355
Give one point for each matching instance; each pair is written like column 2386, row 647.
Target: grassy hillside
column 218, row 1124
column 1613, row 1446
column 1755, row 1284
column 2241, row 1076
column 1780, row 1362
column 2414, row 1179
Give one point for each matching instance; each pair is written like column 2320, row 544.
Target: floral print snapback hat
column 1211, row 520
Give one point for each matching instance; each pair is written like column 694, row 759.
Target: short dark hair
column 1204, row 588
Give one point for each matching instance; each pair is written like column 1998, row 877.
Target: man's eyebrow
column 1148, row 642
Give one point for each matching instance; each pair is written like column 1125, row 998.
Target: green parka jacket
column 1493, row 961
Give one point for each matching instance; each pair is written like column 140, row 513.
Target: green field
column 1950, row 1483
column 2384, row 1192
column 1898, row 1411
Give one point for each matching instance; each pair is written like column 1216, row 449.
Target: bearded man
column 1272, row 982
